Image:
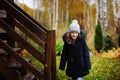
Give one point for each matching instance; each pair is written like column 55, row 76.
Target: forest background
column 57, row 15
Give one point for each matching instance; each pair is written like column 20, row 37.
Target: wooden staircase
column 13, row 66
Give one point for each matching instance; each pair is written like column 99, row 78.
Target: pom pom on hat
column 74, row 26
column 75, row 21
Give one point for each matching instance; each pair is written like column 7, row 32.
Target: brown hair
column 69, row 40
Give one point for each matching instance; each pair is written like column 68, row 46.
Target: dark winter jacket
column 77, row 58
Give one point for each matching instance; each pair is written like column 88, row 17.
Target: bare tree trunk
column 23, row 5
column 88, row 14
column 53, row 14
column 49, row 14
column 105, row 17
column 62, row 15
column 67, row 10
column 118, row 13
column 102, row 15
column 56, row 17
column 114, row 12
column 49, row 20
column 34, row 10
column 97, row 10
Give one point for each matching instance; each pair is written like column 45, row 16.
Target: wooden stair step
column 14, row 65
column 5, row 41
column 17, row 49
column 28, row 60
column 21, row 70
column 17, row 64
column 30, row 76
column 3, row 52
column 2, row 31
column 3, row 14
column 3, row 34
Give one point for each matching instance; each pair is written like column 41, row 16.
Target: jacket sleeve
column 86, row 55
column 63, row 57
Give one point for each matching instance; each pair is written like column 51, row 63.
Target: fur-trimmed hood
column 65, row 36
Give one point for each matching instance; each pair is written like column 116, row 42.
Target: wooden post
column 50, row 66
column 53, row 64
column 48, row 55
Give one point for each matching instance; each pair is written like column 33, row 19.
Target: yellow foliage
column 26, row 53
column 95, row 52
column 114, row 53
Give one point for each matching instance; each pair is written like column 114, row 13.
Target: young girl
column 75, row 53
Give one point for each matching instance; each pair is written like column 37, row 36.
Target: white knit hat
column 74, row 26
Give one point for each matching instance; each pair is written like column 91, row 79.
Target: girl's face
column 74, row 35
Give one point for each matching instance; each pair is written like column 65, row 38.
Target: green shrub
column 59, row 47
column 108, row 43
column 98, row 39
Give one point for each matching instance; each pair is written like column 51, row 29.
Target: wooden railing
column 16, row 17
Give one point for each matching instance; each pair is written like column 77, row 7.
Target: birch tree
column 118, row 12
column 49, row 13
column 62, row 11
column 56, row 17
column 89, row 14
column 105, row 17
column 114, row 11
column 23, row 4
column 97, row 10
column 53, row 14
column 34, row 12
column 67, row 10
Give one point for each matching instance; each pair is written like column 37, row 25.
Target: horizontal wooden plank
column 22, row 42
column 30, row 34
column 24, row 19
column 21, row 60
column 27, row 15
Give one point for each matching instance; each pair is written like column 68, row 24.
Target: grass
column 102, row 69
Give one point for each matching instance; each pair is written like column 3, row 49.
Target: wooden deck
column 45, row 39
